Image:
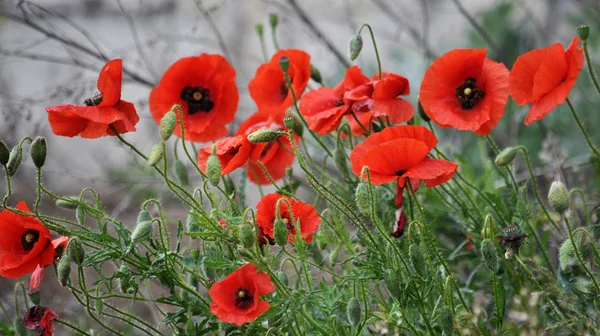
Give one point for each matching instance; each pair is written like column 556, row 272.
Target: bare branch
column 214, row 28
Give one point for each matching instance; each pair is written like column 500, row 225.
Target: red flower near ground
column 545, row 77
column 103, row 110
column 235, row 298
column 233, row 152
column 276, row 156
column 25, row 244
column 304, row 214
column 268, row 87
column 40, row 319
column 324, row 108
column 398, row 153
column 464, row 90
column 204, row 86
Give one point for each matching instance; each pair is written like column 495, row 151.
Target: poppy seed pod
column 361, row 196
column 167, row 125
column 354, row 311
column 264, row 135
column 289, row 122
column 247, row 236
column 566, row 255
column 273, row 20
column 558, row 197
column 315, row 74
column 156, row 154
column 34, row 296
column 142, row 231
column 284, row 64
column 489, row 255
column 259, row 30
column 584, row 31
column 63, row 270
column 280, row 232
column 14, row 160
column 4, row 153
column 75, row 250
column 417, row 259
column 354, row 47
column 38, row 151
column 506, row 156
column 213, row 167
column 181, row 173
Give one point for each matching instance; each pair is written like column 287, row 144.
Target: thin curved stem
column 590, row 68
column 585, row 134
column 579, row 257
column 374, row 46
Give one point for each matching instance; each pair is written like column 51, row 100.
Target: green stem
column 585, row 135
column 8, row 188
column 586, row 213
column 374, row 46
column 590, row 67
column 579, row 257
column 65, row 323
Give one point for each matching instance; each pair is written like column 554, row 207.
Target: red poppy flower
column 103, row 110
column 464, row 90
column 233, row 152
column 25, row 243
column 324, row 108
column 268, row 87
column 235, row 298
column 545, row 77
column 204, row 86
column 410, row 146
column 304, row 214
column 40, row 319
column 276, row 156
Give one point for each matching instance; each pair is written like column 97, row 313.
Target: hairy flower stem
column 586, row 213
column 590, row 66
column 374, row 46
column 585, row 134
column 579, row 257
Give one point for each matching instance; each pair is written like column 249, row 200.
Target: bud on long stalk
column 417, row 258
column 354, row 312
column 4, row 153
column 354, row 47
column 14, row 160
column 280, row 232
column 181, row 173
column 142, row 231
column 38, row 151
column 558, row 197
column 75, row 250
column 361, row 196
column 566, row 255
column 247, row 236
column 213, row 167
column 63, row 270
column 489, row 255
column 167, row 125
column 506, row 156
column 156, row 154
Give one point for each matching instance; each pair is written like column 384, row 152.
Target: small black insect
column 512, row 239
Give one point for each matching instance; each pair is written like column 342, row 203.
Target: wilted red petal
column 109, row 82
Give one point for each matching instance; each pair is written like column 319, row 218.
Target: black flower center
column 400, row 172
column 468, row 94
column 243, row 298
column 285, row 217
column 283, row 88
column 95, row 100
column 29, row 238
column 197, row 99
column 339, row 102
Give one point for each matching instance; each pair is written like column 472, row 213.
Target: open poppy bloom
column 269, row 89
column 40, row 319
column 26, row 245
column 324, row 108
column 204, row 86
column 276, row 156
column 103, row 110
column 544, row 77
column 233, row 152
column 305, row 216
column 235, row 299
column 399, row 153
column 464, row 90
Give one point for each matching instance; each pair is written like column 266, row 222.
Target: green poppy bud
column 190, row 328
column 417, row 259
column 315, row 74
column 247, row 236
column 259, row 30
column 449, row 291
column 422, row 113
column 156, row 154
column 334, row 255
column 63, row 270
column 506, row 156
column 192, row 223
column 284, row 63
column 75, row 250
column 67, row 203
column 4, row 153
column 34, row 296
column 558, row 197
column 489, row 255
column 264, row 135
column 167, row 125
column 80, row 215
column 14, row 160
column 392, row 282
column 280, row 232
column 361, row 196
column 584, row 32
column 143, row 216
column 339, row 158
column 123, row 279
column 566, row 255
column 99, row 306
column 354, row 47
column 283, row 277
column 142, row 231
column 38, row 151
column 181, row 173
column 445, row 321
column 213, row 168
column 354, row 312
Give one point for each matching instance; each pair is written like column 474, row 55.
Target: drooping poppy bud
column 213, row 167
column 584, row 32
column 80, row 215
column 449, row 291
column 280, row 232
column 4, row 153
column 558, row 197
column 264, row 135
column 14, row 160
column 354, row 311
column 63, row 270
column 181, row 173
column 156, row 154
column 192, row 223
column 66, row 203
column 283, row 277
column 354, row 47
column 167, row 125
column 142, row 231
column 315, row 74
column 99, row 306
column 361, row 196
column 38, row 151
column 392, row 282
column 566, row 255
column 489, row 255
column 506, row 156
column 75, row 250
column 417, row 259
column 123, row 280
column 247, row 236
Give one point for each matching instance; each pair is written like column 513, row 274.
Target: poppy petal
column 551, row 72
column 433, row 171
column 109, row 82
column 36, row 277
column 398, row 110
